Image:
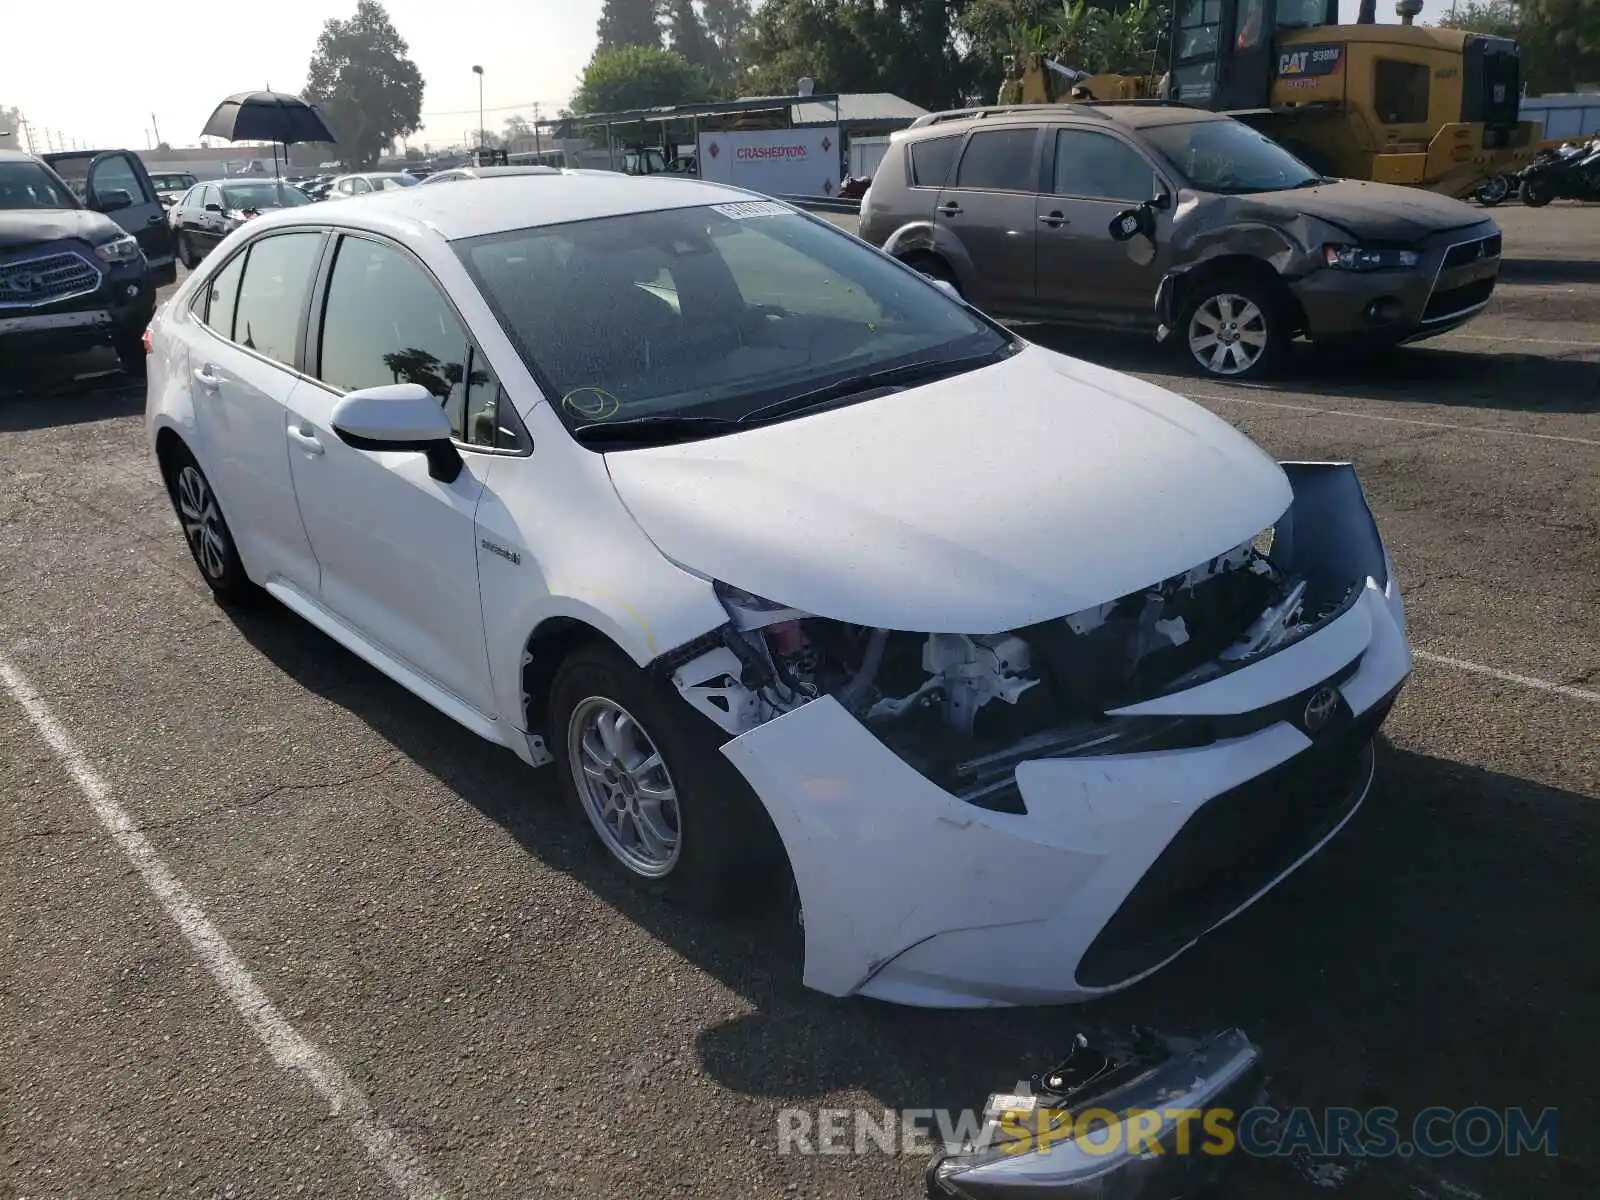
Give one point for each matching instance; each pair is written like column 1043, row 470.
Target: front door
column 988, row 210
column 241, row 365
column 397, row 548
column 1082, row 272
column 145, row 217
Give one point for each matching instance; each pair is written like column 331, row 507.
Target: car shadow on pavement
column 1525, row 382
column 1549, row 270
column 49, row 393
column 1432, row 954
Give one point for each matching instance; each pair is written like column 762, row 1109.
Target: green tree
column 362, row 77
column 639, row 77
column 688, row 36
column 726, row 22
column 908, row 47
column 628, row 23
column 1558, row 50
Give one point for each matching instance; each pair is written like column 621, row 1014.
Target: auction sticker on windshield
column 752, row 208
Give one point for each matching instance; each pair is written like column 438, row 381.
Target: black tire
column 198, row 509
column 1494, row 190
column 726, row 847
column 1536, row 192
column 130, row 352
column 1217, row 299
column 185, row 251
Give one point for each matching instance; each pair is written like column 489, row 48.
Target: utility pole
column 478, row 71
column 538, row 145
column 27, row 133
column 157, row 127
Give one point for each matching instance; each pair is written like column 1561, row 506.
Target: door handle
column 205, row 376
column 1054, row 219
column 302, row 436
column 157, row 219
column 950, row 209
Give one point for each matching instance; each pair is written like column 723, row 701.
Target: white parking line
column 1527, row 681
column 1360, row 416
column 1511, row 337
column 291, row 1051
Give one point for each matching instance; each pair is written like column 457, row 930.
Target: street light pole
column 478, row 71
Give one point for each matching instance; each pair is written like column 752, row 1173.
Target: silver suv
column 1160, row 217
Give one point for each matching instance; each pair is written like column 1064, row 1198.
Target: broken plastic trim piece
column 1062, row 1146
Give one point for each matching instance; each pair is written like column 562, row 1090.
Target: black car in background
column 209, row 212
column 172, row 184
column 70, row 277
column 116, row 183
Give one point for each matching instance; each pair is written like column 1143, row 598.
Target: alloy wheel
column 1228, row 334
column 625, row 787
column 202, row 522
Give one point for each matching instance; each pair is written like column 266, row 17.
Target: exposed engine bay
column 964, row 709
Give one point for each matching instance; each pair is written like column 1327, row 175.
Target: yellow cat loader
column 1408, row 104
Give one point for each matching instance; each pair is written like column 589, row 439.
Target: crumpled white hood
column 1018, row 493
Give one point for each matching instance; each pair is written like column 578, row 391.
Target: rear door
column 242, row 370
column 989, row 210
column 1094, row 175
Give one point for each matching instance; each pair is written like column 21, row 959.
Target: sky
column 174, row 72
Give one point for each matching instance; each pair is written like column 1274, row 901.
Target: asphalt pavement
column 411, row 906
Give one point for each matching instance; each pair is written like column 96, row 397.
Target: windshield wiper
column 924, row 371
column 636, row 429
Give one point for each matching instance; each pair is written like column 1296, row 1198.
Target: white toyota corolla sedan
column 1025, row 672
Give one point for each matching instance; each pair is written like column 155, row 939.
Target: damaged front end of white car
column 1050, row 812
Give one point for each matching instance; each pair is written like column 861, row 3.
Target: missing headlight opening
column 964, row 709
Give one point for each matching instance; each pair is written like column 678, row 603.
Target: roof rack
column 993, row 110
column 1064, row 106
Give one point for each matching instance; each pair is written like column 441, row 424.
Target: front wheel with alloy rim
column 1233, row 329
column 645, row 771
column 206, row 530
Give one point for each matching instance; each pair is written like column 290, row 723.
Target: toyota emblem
column 1320, row 707
column 24, row 282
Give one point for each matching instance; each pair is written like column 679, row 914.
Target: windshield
column 28, row 185
column 253, row 197
column 1229, row 157
column 712, row 312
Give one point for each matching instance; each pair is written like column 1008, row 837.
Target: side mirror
column 1126, row 226
column 400, row 416
column 113, row 200
column 216, row 208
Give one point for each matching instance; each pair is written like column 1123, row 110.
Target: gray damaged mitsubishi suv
column 1156, row 216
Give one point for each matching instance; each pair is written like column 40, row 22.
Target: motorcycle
column 1569, row 172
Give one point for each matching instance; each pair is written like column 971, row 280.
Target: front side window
column 1400, row 91
column 1228, row 157
column 28, row 185
column 116, row 174
column 932, row 159
column 272, row 299
column 999, row 160
column 714, row 311
column 1100, row 167
column 385, row 322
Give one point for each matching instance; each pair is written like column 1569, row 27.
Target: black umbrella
column 268, row 117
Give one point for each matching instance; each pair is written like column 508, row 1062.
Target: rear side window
column 932, row 159
column 217, row 299
column 272, row 299
column 1400, row 91
column 1000, row 160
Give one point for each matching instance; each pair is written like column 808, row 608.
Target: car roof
column 513, row 169
column 515, row 201
column 17, row 156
